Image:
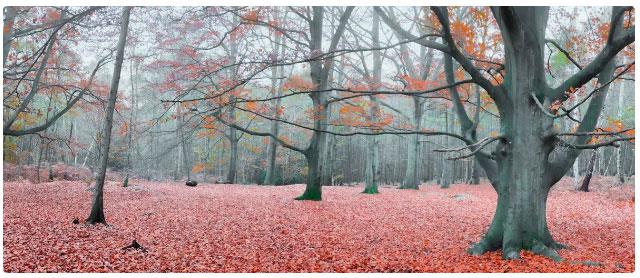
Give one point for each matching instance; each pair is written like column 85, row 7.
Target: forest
column 318, row 139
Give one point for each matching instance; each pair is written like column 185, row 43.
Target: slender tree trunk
column 186, row 162
column 97, row 209
column 619, row 156
column 372, row 173
column 233, row 158
column 130, row 129
column 587, row 177
column 9, row 18
column 410, row 180
column 475, row 172
column 42, row 147
column 372, row 170
column 448, row 171
column 269, row 178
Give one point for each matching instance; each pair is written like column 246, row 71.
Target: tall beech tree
column 97, row 207
column 530, row 155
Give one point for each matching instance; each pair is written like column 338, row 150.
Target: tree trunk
column 184, row 144
column 9, row 18
column 319, row 71
column 313, row 189
column 269, row 178
column 233, row 158
column 619, row 156
column 410, row 180
column 448, row 171
column 522, row 156
column 97, row 209
column 475, row 173
column 372, row 171
column 587, row 177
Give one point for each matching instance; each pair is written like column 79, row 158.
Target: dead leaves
column 244, row 228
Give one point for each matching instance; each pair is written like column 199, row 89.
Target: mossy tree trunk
column 521, row 168
column 320, row 70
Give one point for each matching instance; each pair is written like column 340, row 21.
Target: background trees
column 383, row 96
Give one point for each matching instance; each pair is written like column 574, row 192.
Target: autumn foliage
column 247, row 228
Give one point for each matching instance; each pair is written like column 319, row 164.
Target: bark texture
column 97, row 208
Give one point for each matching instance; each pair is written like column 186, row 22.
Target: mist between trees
column 338, row 96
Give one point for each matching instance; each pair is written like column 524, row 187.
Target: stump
column 191, row 183
column 134, row 245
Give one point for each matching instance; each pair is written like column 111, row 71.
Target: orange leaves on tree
column 251, row 105
column 252, row 16
column 189, row 51
column 297, row 83
column 314, row 113
column 414, row 84
column 603, row 31
column 463, row 34
column 358, row 115
column 53, row 15
column 555, row 106
column 198, row 167
column 613, row 126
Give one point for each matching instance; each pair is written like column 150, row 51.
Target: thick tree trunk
column 319, row 75
column 313, row 189
column 97, row 209
column 520, row 218
column 522, row 155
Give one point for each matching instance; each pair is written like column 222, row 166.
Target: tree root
column 309, row 197
column 513, row 253
column 370, row 190
column 541, row 249
column 557, row 246
column 481, row 247
column 134, row 245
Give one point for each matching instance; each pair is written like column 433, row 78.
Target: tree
column 276, row 85
column 521, row 168
column 97, row 207
column 56, row 22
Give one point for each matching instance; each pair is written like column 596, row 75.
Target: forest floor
column 249, row 228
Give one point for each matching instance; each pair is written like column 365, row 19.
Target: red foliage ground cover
column 240, row 228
